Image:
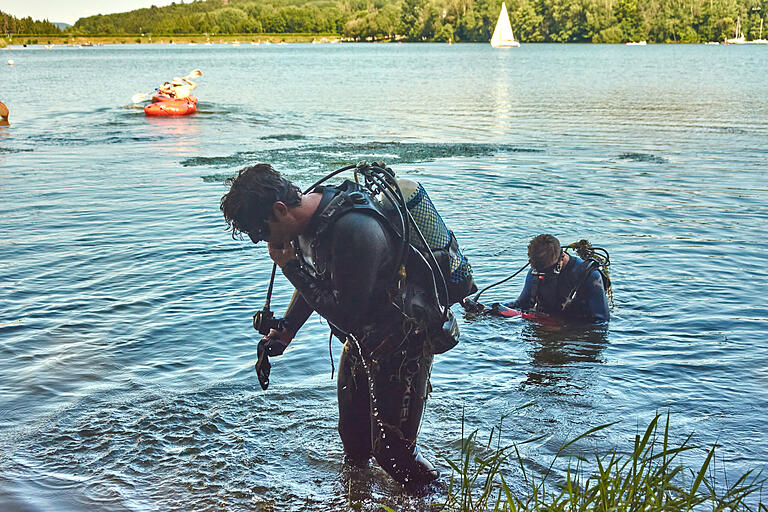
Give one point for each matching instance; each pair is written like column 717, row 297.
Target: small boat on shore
column 760, row 39
column 739, row 36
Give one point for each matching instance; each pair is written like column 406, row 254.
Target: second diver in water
column 563, row 286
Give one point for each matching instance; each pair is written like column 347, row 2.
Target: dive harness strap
column 349, row 197
column 586, row 268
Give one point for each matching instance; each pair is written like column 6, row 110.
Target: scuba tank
column 441, row 241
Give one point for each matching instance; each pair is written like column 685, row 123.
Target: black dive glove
column 274, row 346
column 263, row 365
column 268, row 346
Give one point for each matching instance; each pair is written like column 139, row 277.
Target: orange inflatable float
column 167, row 106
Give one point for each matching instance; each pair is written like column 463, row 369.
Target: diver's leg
column 354, row 407
column 400, row 384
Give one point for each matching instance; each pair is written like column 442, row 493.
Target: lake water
column 126, row 346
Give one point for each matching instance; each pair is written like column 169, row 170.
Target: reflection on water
column 183, row 132
column 555, row 351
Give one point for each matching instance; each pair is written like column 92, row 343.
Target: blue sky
column 68, row 11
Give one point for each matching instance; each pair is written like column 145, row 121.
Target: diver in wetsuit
column 341, row 261
column 562, row 285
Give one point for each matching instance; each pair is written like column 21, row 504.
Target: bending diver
column 351, row 263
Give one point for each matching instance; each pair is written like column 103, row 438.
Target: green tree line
column 580, row 21
column 10, row 25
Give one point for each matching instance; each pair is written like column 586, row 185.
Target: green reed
column 650, row 478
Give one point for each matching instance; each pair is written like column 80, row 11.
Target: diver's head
column 545, row 254
column 259, row 204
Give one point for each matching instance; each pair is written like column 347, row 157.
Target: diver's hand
column 471, row 306
column 281, row 254
column 276, row 342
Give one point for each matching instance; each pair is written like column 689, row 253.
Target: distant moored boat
column 739, row 37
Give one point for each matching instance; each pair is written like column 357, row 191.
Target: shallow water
column 126, row 350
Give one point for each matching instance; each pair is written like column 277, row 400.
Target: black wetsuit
column 548, row 294
column 346, row 276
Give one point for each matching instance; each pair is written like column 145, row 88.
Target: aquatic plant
column 650, row 478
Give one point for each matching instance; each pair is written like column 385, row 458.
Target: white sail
column 502, row 34
column 739, row 39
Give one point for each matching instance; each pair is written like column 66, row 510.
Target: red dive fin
column 540, row 318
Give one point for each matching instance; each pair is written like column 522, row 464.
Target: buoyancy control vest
column 419, row 304
column 559, row 296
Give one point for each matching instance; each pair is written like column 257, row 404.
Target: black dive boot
column 402, row 460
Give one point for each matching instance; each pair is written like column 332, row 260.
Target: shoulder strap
column 585, row 270
column 349, row 197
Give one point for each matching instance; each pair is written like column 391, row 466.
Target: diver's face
column 258, row 234
column 280, row 232
column 553, row 269
column 279, row 229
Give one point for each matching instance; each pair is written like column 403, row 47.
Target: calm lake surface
column 126, row 346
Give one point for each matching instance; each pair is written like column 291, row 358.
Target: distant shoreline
column 95, row 40
column 247, row 39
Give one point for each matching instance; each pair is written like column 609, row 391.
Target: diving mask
column 554, row 269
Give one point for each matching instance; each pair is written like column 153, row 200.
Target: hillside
column 443, row 20
column 12, row 25
column 607, row 21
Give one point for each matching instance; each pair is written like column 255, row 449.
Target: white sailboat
column 502, row 34
column 739, row 39
column 760, row 40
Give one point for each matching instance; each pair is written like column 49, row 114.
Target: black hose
column 500, row 282
column 329, row 176
column 271, row 285
column 399, row 201
column 434, row 266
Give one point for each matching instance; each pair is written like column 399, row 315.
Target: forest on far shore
column 561, row 21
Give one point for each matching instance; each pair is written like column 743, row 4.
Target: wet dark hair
column 543, row 250
column 248, row 204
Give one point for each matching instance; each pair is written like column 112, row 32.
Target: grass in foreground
column 650, row 478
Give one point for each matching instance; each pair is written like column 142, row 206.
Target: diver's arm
column 317, row 294
column 526, row 300
column 297, row 314
column 597, row 302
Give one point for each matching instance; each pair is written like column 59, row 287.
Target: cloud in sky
column 68, row 11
